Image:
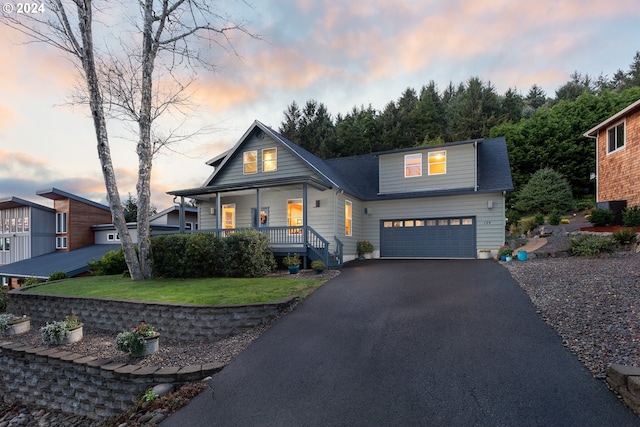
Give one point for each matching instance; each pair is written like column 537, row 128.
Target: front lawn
column 187, row 291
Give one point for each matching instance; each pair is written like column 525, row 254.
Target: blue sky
column 342, row 54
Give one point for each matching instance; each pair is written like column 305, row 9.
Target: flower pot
column 509, row 258
column 503, row 257
column 151, row 346
column 484, row 254
column 522, row 255
column 294, row 269
column 19, row 327
column 74, row 335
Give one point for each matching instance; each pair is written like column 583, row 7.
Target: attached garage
column 428, row 238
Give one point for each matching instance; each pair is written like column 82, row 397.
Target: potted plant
column 140, row 341
column 318, row 266
column 484, row 253
column 14, row 325
column 364, row 248
column 62, row 332
column 504, row 252
column 292, row 262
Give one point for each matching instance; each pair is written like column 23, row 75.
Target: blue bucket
column 522, row 255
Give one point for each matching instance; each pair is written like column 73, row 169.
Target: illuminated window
column 615, row 137
column 26, row 224
column 294, row 215
column 454, row 221
column 250, row 162
column 229, row 216
column 348, row 218
column 269, row 159
column 438, row 163
column 412, row 165
column 467, row 221
column 19, row 230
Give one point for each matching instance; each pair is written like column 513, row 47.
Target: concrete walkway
column 409, row 343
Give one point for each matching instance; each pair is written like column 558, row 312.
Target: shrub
column 585, row 204
column 514, row 230
column 527, row 225
column 590, row 245
column 57, row 275
column 601, row 217
column 133, row 341
column 625, row 236
column 555, row 217
column 364, row 247
column 318, row 265
column 513, row 216
column 187, row 255
column 111, row 263
column 30, row 281
column 631, row 216
column 539, row 218
column 4, row 296
column 247, row 254
column 53, row 333
column 291, row 260
column 545, row 191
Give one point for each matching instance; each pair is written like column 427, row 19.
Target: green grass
column 186, row 291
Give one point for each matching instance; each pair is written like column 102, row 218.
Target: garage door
column 428, row 238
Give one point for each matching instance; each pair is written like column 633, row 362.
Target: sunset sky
column 340, row 53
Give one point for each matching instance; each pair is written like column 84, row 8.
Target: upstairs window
column 269, row 159
column 61, row 222
column 250, row 162
column 438, row 162
column 615, row 137
column 412, row 165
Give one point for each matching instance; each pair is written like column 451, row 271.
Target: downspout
column 475, row 166
column 181, row 214
column 258, row 209
column 596, row 137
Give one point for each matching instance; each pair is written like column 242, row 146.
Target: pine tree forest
column 541, row 131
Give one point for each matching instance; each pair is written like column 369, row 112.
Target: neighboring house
column 25, row 230
column 618, row 158
column 37, row 240
column 171, row 216
column 441, row 201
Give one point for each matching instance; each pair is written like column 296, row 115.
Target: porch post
column 181, row 215
column 304, row 223
column 218, row 212
column 257, row 218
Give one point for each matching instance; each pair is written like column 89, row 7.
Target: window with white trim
column 615, row 137
column 229, row 216
column 294, row 215
column 348, row 218
column 269, row 159
column 113, row 237
column 250, row 162
column 412, row 165
column 61, row 222
column 437, row 162
column 61, row 242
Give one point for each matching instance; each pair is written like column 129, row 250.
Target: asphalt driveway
column 409, row 343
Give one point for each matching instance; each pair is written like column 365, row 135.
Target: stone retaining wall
column 174, row 321
column 625, row 380
column 82, row 385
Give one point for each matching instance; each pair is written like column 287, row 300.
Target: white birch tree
column 166, row 41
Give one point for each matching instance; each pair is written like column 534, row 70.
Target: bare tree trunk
column 145, row 147
column 104, row 152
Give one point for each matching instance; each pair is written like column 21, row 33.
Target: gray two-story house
column 439, row 201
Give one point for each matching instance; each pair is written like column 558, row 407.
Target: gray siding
column 490, row 222
column 460, row 170
column 288, row 165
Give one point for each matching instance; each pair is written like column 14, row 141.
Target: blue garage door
column 428, row 238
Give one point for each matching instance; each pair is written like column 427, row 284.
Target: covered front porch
column 295, row 215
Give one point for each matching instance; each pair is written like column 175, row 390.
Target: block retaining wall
column 97, row 388
column 82, row 385
column 625, row 380
column 173, row 321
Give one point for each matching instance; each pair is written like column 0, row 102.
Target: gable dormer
column 432, row 168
